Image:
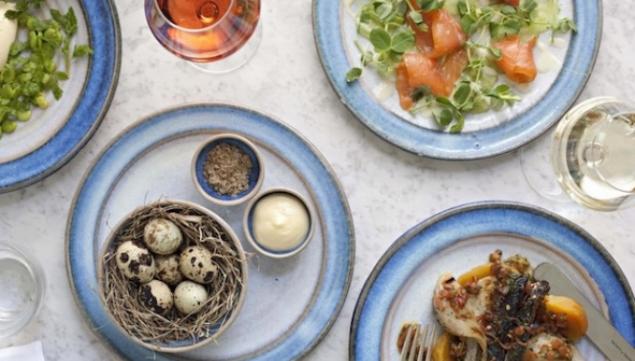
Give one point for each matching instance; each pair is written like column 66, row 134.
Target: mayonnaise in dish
column 281, row 221
column 8, row 31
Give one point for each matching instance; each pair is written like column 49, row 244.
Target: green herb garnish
column 353, row 74
column 31, row 71
column 387, row 25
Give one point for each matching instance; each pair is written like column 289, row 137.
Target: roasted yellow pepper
column 576, row 320
column 475, row 273
column 441, row 349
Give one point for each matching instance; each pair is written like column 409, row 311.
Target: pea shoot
column 31, row 72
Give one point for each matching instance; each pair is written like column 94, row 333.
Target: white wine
column 593, row 153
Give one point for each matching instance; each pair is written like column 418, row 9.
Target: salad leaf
column 429, row 5
column 402, row 41
column 353, row 74
column 380, row 39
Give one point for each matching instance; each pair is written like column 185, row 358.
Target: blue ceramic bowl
column 255, row 176
column 249, row 229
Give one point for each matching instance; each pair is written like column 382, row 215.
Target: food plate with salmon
column 458, row 79
column 469, row 271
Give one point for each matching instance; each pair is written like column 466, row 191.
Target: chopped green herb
column 31, row 72
column 82, row 51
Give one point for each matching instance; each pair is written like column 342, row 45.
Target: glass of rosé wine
column 216, row 36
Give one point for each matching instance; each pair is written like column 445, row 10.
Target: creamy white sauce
column 8, row 31
column 546, row 61
column 384, row 90
column 280, row 222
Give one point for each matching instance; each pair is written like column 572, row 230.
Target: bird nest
column 122, row 297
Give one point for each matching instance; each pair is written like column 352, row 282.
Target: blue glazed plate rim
column 350, row 233
column 27, row 169
column 481, row 144
column 483, row 206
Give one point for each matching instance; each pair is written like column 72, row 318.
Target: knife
column 600, row 331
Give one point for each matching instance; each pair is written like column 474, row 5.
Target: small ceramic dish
column 248, row 225
column 185, row 210
column 256, row 174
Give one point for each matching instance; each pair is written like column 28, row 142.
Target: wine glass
column 216, row 36
column 591, row 158
column 22, row 284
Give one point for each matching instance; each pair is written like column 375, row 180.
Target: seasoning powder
column 227, row 169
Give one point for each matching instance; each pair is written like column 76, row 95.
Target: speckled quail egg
column 189, row 297
column 157, row 296
column 196, row 264
column 135, row 262
column 162, row 236
column 168, row 269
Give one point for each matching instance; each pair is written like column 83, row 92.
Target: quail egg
column 189, row 297
column 157, row 296
column 135, row 262
column 162, row 236
column 196, row 264
column 168, row 269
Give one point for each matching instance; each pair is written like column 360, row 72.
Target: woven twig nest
column 172, row 331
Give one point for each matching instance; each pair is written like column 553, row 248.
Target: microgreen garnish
column 429, row 5
column 387, row 25
column 353, row 74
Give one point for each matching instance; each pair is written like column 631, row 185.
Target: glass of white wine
column 592, row 156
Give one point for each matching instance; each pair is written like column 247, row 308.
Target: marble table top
column 389, row 190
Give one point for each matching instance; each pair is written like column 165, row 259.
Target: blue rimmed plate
column 290, row 304
column 565, row 69
column 400, row 287
column 52, row 137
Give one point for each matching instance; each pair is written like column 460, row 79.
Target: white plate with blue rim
column 53, row 136
column 290, row 304
column 400, row 287
column 565, row 69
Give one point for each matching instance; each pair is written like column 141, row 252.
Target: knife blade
column 600, row 331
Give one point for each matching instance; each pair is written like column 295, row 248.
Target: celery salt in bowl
column 228, row 169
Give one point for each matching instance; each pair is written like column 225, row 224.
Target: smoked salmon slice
column 439, row 76
column 517, row 59
column 423, row 71
column 447, row 34
column 423, row 39
column 444, row 35
column 452, row 68
column 403, row 87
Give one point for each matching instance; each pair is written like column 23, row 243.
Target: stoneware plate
column 53, row 136
column 290, row 304
column 400, row 287
column 564, row 69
